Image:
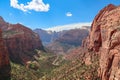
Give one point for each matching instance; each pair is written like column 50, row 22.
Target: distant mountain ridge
column 47, row 36
column 61, row 42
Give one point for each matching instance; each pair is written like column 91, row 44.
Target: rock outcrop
column 104, row 39
column 4, row 61
column 20, row 42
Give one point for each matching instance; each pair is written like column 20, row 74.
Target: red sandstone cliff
column 20, row 41
column 104, row 39
column 4, row 61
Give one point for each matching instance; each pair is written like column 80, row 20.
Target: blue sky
column 51, row 12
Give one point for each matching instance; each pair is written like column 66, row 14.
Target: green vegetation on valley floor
column 55, row 67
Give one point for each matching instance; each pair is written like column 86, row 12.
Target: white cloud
column 69, row 14
column 36, row 5
column 69, row 26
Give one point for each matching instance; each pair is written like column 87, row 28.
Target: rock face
column 104, row 39
column 20, row 42
column 4, row 61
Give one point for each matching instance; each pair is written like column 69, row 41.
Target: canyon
column 98, row 57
